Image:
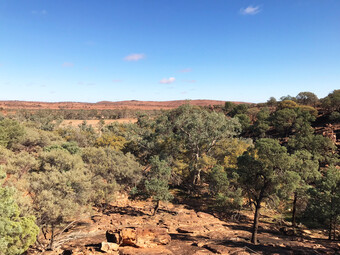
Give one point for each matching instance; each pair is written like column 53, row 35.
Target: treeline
column 240, row 156
column 49, row 118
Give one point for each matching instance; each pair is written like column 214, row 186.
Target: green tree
column 111, row 170
column 229, row 106
column 283, row 120
column 113, row 166
column 10, row 132
column 262, row 123
column 61, row 187
column 17, row 233
column 335, row 117
column 272, row 101
column 264, row 171
column 198, row 132
column 288, row 97
column 332, row 101
column 308, row 170
column 321, row 148
column 324, row 205
column 289, row 120
column 156, row 184
column 244, row 121
column 184, row 135
column 307, row 98
column 239, row 109
column 226, row 196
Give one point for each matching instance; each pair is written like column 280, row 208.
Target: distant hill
column 108, row 105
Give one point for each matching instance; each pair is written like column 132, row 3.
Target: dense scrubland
column 279, row 155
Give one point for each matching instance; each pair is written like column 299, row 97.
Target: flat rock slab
column 144, row 251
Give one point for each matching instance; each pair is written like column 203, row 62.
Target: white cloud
column 134, row 57
column 167, row 80
column 186, row 70
column 250, row 10
column 67, row 64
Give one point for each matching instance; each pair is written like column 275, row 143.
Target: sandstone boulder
column 109, row 247
column 144, row 237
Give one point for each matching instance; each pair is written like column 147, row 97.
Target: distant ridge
column 109, row 105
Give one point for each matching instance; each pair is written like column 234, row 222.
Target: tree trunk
column 156, row 208
column 330, row 228
column 294, row 210
column 52, row 238
column 334, row 227
column 197, row 178
column 197, row 172
column 256, row 221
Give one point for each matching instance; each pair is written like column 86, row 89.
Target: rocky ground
column 175, row 230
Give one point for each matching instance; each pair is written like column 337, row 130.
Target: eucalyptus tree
column 197, row 131
column 156, row 182
column 307, row 98
column 183, row 136
column 264, row 171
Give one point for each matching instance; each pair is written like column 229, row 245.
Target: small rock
column 128, row 236
column 199, row 243
column 109, row 247
column 112, row 237
column 306, row 231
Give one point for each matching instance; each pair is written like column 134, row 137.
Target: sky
column 156, row 50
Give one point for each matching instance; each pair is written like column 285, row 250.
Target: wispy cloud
column 41, row 12
column 116, row 81
column 167, row 80
column 67, row 64
column 250, row 10
column 190, row 81
column 186, row 70
column 135, row 57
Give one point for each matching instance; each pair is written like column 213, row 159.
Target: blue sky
column 237, row 50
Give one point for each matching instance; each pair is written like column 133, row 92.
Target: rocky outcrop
column 141, row 237
column 176, row 230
